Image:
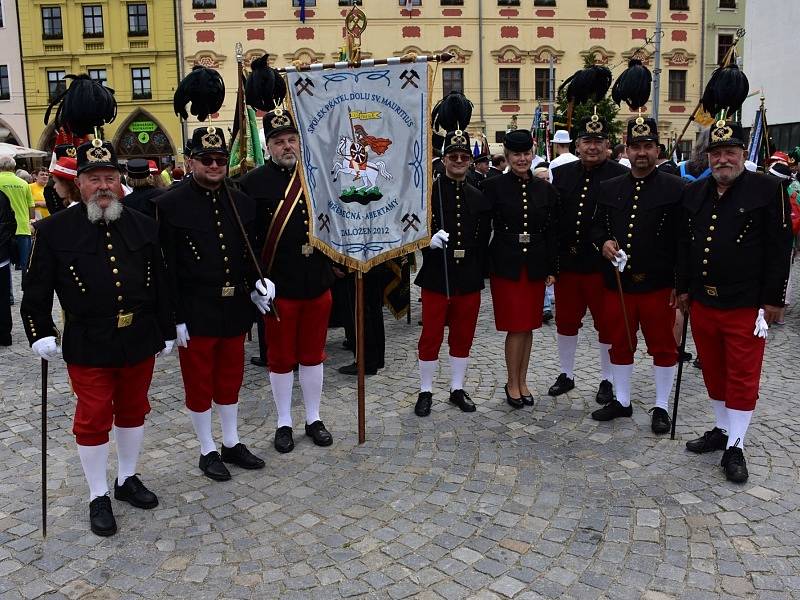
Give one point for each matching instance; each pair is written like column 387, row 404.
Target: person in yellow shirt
column 41, row 175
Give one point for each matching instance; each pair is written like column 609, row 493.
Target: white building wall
column 12, row 111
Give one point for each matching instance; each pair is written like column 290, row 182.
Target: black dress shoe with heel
column 135, row 493
column 423, row 406
column 212, row 467
column 660, row 422
column 239, row 455
column 462, row 400
column 513, row 402
column 710, row 441
column 317, row 432
column 283, row 439
column 562, row 385
column 605, row 393
column 101, row 517
column 527, row 399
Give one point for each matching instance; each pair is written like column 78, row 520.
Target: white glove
column 439, row 239
column 262, row 295
column 47, row 348
column 183, row 335
column 168, row 346
column 761, row 325
column 620, row 260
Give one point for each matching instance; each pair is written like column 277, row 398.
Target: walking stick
column 44, row 448
column 624, row 310
column 272, row 307
column 680, row 372
column 444, row 246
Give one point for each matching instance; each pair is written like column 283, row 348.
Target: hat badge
column 98, row 153
column 279, row 119
column 458, row 138
column 722, row 132
column 72, row 152
column 594, row 125
column 641, row 128
column 211, row 139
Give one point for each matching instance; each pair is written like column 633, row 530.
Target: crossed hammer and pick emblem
column 409, row 77
column 410, row 220
column 324, row 221
column 304, row 85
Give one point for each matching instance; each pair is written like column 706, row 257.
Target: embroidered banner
column 366, row 151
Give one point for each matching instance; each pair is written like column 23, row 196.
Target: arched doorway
column 7, row 134
column 141, row 136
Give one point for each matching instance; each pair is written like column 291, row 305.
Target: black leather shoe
column 710, row 441
column 605, row 393
column 101, row 517
column 134, row 493
column 513, row 402
column 527, row 399
column 562, row 385
column 212, row 467
column 258, row 361
column 612, row 410
column 352, row 369
column 317, row 432
column 659, row 421
column 462, row 400
column 684, row 356
column 283, row 439
column 734, row 464
column 241, row 456
column 423, row 406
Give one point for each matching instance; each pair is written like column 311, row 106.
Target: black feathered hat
column 265, row 88
column 278, row 121
column 724, row 133
column 96, row 154
column 642, row 129
column 83, row 106
column 594, row 126
column 208, row 139
column 633, row 85
column 589, row 83
column 452, row 114
column 456, row 140
column 204, row 88
column 726, row 90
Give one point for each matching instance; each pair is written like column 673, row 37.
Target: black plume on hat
column 633, row 85
column 726, row 90
column 204, row 88
column 591, row 82
column 452, row 112
column 265, row 88
column 84, row 105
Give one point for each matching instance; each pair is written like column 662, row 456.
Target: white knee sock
column 721, row 414
column 281, row 384
column 622, row 383
column 311, row 384
column 663, row 377
column 129, row 444
column 605, row 362
column 738, row 422
column 202, row 429
column 93, row 460
column 458, row 369
column 427, row 370
column 567, row 344
column 229, row 417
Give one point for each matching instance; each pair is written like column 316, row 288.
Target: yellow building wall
column 116, row 51
column 485, row 36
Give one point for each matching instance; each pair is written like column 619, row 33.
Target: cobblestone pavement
column 541, row 503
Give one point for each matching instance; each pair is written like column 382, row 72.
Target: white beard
column 112, row 212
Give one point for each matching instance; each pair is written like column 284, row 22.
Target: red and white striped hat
column 66, row 167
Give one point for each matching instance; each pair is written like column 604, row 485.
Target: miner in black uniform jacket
column 105, row 264
column 579, row 280
column 733, row 268
column 636, row 228
column 145, row 194
column 523, row 257
column 462, row 235
column 302, row 276
column 210, row 275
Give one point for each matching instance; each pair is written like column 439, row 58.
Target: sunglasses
column 207, row 161
column 460, row 157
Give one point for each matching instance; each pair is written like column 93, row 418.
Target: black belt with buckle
column 212, row 291
column 523, row 239
column 711, row 290
column 118, row 321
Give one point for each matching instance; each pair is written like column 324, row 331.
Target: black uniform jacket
column 209, row 270
column 642, row 215
column 144, row 199
column 734, row 249
column 8, row 227
column 522, row 208
column 577, row 190
column 111, row 284
column 295, row 275
column 467, row 219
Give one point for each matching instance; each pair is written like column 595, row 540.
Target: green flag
column 254, row 156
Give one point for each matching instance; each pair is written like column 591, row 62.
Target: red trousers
column 730, row 353
column 109, row 396
column 299, row 337
column 212, row 369
column 651, row 311
column 575, row 292
column 459, row 314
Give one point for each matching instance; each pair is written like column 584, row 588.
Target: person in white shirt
column 561, row 142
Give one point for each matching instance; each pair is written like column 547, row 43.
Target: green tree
column 605, row 109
